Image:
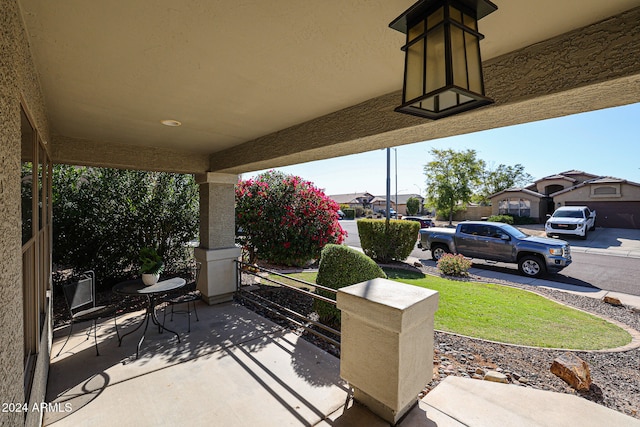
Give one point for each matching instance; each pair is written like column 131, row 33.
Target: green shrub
column 349, row 213
column 103, row 217
column 513, row 219
column 386, row 243
column 454, row 265
column 413, row 206
column 507, row 219
column 359, row 211
column 341, row 266
column 524, row 220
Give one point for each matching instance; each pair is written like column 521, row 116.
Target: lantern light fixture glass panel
column 443, row 66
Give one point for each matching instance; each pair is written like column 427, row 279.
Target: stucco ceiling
column 232, row 71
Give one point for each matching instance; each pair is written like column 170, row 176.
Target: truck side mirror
column 505, row 237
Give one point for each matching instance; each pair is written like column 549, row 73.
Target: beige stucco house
column 376, row 203
column 254, row 85
column 616, row 201
column 354, row 200
column 399, row 202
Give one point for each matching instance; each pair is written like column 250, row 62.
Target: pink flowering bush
column 285, row 219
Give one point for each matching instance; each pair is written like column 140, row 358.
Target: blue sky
column 604, row 142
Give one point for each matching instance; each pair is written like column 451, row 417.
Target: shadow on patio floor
column 234, row 368
column 238, row 369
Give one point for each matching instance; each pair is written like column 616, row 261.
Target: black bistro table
column 139, row 289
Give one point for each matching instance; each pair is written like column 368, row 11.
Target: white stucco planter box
column 217, row 280
column 387, row 343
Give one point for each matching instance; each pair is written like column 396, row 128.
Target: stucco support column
column 217, row 251
column 387, row 344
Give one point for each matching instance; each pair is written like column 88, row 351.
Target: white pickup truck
column 576, row 220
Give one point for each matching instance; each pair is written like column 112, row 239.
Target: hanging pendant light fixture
column 443, row 67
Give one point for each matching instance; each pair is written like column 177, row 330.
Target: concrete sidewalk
column 465, row 402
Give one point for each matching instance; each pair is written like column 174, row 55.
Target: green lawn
column 510, row 315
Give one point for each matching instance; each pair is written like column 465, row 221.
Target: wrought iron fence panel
column 250, row 296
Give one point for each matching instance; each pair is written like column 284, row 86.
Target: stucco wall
column 473, row 213
column 10, row 260
column 10, row 255
column 18, row 80
column 537, row 206
column 91, row 153
column 217, row 210
column 565, row 183
column 628, row 193
column 586, row 69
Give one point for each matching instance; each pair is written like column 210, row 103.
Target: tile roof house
column 616, row 200
column 399, row 202
column 376, row 203
column 353, row 199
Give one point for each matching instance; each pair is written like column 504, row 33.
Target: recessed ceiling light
column 170, row 122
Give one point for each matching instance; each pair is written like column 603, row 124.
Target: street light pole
column 388, row 182
column 396, row 167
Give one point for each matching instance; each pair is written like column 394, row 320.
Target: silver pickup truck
column 495, row 241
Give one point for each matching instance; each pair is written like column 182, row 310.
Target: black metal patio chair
column 80, row 296
column 188, row 296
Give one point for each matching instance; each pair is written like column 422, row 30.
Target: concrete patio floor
column 236, row 368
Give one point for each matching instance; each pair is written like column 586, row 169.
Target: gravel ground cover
column 615, row 374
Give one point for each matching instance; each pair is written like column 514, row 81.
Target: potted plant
column 151, row 265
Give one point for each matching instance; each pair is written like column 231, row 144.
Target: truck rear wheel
column 531, row 266
column 438, row 250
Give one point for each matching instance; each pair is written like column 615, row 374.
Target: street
column 607, row 272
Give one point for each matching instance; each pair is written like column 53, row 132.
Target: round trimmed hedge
column 341, row 266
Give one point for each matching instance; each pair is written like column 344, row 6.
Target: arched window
column 604, row 190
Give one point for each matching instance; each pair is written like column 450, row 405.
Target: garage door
column 614, row 214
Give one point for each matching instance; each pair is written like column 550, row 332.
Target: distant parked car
column 340, row 214
column 575, row 220
column 424, row 222
column 392, row 213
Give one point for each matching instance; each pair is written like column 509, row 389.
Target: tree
column 451, row 178
column 285, row 219
column 413, row 206
column 502, row 178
